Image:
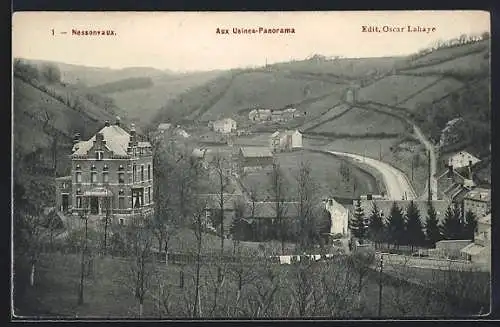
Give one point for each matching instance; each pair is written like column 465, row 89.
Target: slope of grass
column 473, row 64
column 359, row 121
column 449, row 53
column 123, row 85
column 393, row 89
column 432, row 93
column 343, row 67
column 264, row 90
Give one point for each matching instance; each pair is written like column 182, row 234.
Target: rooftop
column 256, row 152
column 479, row 194
column 116, row 139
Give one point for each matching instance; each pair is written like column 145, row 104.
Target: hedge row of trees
column 405, row 227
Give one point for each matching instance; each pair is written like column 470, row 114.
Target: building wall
column 339, row 217
column 479, row 208
column 63, row 187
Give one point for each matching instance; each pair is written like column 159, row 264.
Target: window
column 134, row 172
column 93, row 177
column 99, row 155
column 121, row 221
column 142, row 173
column 149, row 194
column 121, row 178
column 78, row 177
column 78, row 201
column 121, row 202
column 149, row 172
column 105, row 177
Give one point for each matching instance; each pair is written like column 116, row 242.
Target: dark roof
column 213, row 201
column 479, row 194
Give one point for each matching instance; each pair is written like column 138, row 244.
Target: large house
column 254, row 158
column 462, row 159
column 285, row 141
column 111, row 174
column 478, row 201
column 480, row 250
column 224, row 126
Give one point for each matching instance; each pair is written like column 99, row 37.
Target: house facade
column 224, row 126
column 111, row 174
column 260, row 115
column 478, row 201
column 281, row 141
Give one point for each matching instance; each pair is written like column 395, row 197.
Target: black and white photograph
column 251, row 165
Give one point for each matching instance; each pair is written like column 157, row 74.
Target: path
column 433, row 169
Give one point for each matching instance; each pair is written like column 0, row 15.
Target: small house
column 288, row 140
column 224, row 126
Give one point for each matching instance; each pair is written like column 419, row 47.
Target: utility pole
column 380, row 285
column 412, row 159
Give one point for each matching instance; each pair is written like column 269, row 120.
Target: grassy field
column 329, row 114
column 432, row 93
column 394, row 89
column 109, row 292
column 359, row 121
column 325, row 173
column 264, row 90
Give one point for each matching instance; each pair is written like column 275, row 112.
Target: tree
column 485, row 36
column 219, row 165
column 470, row 225
column 277, row 183
column 376, row 225
column 452, row 228
column 432, row 231
column 414, row 230
column 307, row 224
column 396, row 225
column 358, row 226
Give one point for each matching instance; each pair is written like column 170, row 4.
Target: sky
column 187, row 41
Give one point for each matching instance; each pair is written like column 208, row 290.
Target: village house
column 260, row 115
column 478, row 201
column 449, row 134
column 479, row 251
column 254, row 158
column 289, row 140
column 455, row 181
column 224, row 126
column 462, row 159
column 339, row 216
column 212, row 209
column 111, row 174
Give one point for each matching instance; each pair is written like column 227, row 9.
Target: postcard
column 251, row 165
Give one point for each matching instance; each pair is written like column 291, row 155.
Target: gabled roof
column 255, row 151
column 116, row 141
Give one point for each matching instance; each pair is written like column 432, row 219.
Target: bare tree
column 306, row 213
column 361, row 262
column 139, row 237
column 277, row 183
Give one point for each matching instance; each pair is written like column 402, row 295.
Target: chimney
column 118, row 121
column 106, row 123
column 450, row 170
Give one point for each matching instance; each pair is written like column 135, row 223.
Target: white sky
column 184, row 41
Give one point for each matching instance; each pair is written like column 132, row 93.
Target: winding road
column 397, row 184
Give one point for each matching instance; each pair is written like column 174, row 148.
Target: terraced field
column 432, row 93
column 360, row 122
column 394, row 89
